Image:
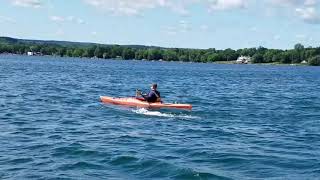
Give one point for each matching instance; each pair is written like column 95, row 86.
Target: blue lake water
column 248, row 121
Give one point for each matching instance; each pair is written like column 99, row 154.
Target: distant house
column 243, row 60
column 304, row 62
column 31, row 53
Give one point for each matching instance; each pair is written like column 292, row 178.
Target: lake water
column 248, row 121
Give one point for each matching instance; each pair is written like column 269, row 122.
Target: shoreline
column 117, row 59
column 273, row 63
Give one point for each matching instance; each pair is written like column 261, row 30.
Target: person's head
column 154, row 86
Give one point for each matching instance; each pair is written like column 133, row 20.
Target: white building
column 304, row 62
column 30, row 53
column 243, row 60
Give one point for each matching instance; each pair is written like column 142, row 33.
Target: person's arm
column 146, row 96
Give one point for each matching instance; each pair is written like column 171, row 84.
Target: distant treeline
column 258, row 55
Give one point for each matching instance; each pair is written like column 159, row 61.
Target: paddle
column 138, row 92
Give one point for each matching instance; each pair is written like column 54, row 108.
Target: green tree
column 128, row 53
column 97, row 52
column 90, row 51
column 257, row 58
column 77, row 52
column 116, row 50
column 248, row 52
column 85, row 53
column 214, row 57
column 295, row 56
column 183, row 58
column 285, row 57
column 276, row 57
column 62, row 51
column 170, row 55
column 314, row 61
column 268, row 56
column 299, row 47
column 69, row 52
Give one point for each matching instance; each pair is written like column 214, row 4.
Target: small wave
column 161, row 114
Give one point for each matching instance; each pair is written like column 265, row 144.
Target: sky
column 216, row 24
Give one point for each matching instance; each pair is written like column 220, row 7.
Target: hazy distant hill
column 10, row 40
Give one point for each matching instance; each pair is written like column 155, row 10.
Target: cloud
column 306, row 10
column 126, row 7
column 136, row 7
column 227, row 4
column 28, row 3
column 310, row 2
column 57, row 18
column 288, row 3
column 285, row 2
column 308, row 15
column 4, row 19
column 72, row 19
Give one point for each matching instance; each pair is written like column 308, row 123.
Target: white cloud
column 289, row 3
column 308, row 15
column 306, row 10
column 67, row 19
column 126, row 7
column 227, row 4
column 179, row 8
column 27, row 3
column 136, row 7
column 310, row 2
column 4, row 19
column 57, row 18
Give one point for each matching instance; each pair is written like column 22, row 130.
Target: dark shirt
column 152, row 96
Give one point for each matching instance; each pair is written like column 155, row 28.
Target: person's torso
column 154, row 96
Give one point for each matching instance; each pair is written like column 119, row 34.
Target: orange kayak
column 136, row 102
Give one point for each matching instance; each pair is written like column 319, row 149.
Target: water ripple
column 247, row 122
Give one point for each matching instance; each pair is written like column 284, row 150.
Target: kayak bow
column 135, row 102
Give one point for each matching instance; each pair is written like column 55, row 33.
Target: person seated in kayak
column 152, row 96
